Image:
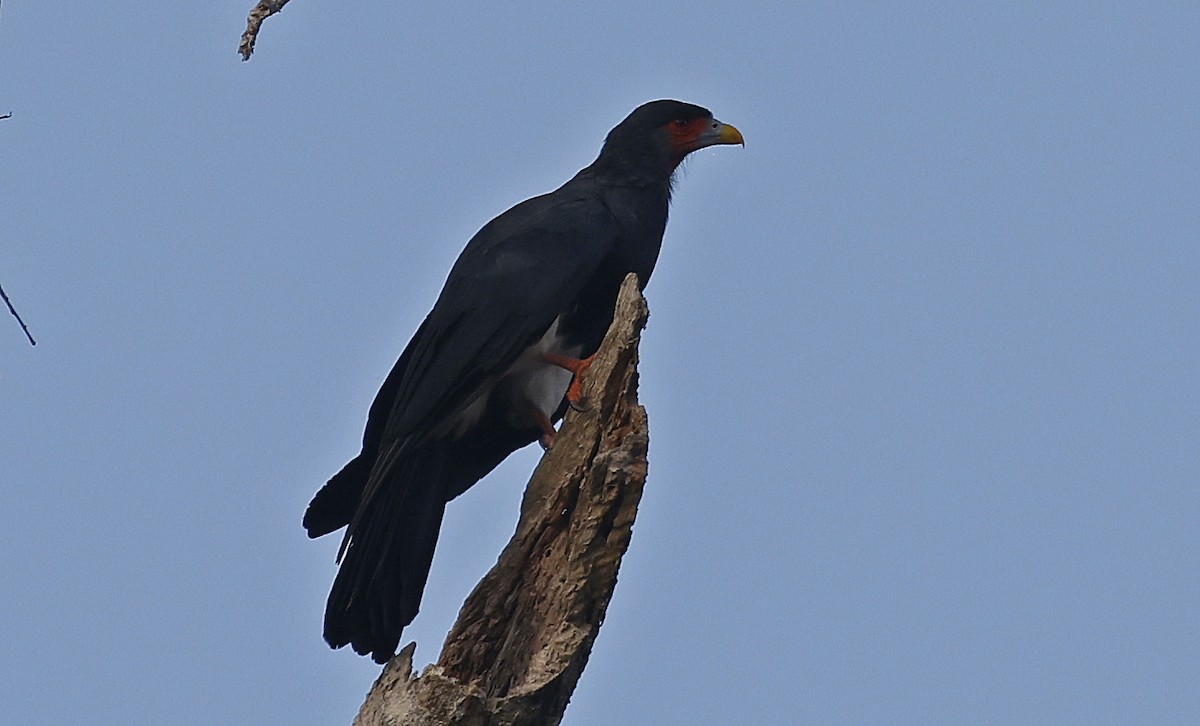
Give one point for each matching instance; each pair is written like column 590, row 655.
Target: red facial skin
column 684, row 135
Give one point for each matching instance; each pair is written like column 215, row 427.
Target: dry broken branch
column 260, row 12
column 13, row 310
column 524, row 635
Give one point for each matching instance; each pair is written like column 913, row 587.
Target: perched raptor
column 495, row 364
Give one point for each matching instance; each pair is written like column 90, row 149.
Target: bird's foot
column 546, row 426
column 577, row 366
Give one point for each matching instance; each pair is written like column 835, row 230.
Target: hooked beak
column 719, row 133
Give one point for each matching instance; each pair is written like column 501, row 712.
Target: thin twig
column 7, row 115
column 13, row 310
column 263, row 10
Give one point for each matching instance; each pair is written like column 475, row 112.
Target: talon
column 577, row 367
column 543, row 423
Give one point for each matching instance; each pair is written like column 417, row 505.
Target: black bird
column 495, row 364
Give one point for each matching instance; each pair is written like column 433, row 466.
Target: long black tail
column 335, row 504
column 383, row 572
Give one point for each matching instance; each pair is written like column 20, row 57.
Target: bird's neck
column 642, row 215
column 638, row 167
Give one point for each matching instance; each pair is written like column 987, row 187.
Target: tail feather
column 335, row 503
column 378, row 588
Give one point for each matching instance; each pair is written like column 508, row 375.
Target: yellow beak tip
column 730, row 135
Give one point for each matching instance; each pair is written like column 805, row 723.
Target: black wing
column 513, row 279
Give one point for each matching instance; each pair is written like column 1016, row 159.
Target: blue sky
column 921, row 367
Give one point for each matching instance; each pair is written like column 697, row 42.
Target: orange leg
column 577, row 367
column 543, row 423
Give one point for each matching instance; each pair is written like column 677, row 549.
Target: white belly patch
column 529, row 381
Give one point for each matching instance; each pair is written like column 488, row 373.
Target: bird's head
column 659, row 134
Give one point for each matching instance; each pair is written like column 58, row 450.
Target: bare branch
column 13, row 310
column 524, row 635
column 263, row 10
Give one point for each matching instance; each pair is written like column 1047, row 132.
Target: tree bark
column 260, row 12
column 523, row 636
